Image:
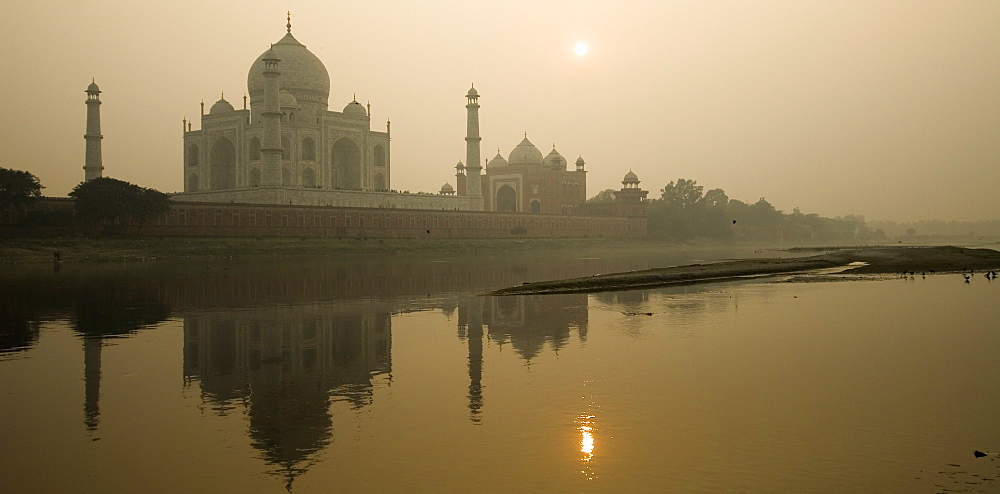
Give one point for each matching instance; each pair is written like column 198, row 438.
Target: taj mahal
column 285, row 146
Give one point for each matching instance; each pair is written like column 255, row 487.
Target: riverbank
column 875, row 259
column 81, row 249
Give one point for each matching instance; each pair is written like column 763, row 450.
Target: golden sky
column 890, row 109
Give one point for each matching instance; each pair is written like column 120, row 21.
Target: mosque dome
column 221, row 106
column 525, row 153
column 554, row 159
column 497, row 161
column 473, row 92
column 447, row 189
column 460, row 166
column 302, row 73
column 286, row 100
column 92, row 88
column 355, row 109
column 631, row 178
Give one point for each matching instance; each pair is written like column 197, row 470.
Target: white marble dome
column 302, row 73
column 496, row 161
column 355, row 109
column 286, row 100
column 221, row 106
column 631, row 178
column 554, row 159
column 525, row 153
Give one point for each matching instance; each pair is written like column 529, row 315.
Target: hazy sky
column 890, row 109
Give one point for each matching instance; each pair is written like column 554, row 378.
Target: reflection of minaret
column 475, row 358
column 92, row 381
column 92, row 166
column 473, row 184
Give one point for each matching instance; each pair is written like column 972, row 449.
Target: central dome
column 525, row 153
column 302, row 73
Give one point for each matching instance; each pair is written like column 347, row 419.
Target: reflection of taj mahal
column 285, row 146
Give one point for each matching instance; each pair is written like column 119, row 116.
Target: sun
column 581, row 48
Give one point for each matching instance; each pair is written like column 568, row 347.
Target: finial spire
column 526, row 134
column 289, row 25
column 222, row 95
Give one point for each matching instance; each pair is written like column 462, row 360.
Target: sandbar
column 875, row 260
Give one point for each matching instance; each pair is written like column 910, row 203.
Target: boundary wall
column 255, row 220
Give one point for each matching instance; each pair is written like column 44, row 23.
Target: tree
column 18, row 189
column 116, row 203
column 682, row 195
column 606, row 195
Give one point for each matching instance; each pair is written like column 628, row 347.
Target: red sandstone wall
column 243, row 220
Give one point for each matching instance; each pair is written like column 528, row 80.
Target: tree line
column 685, row 211
column 107, row 205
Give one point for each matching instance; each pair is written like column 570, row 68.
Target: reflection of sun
column 585, row 425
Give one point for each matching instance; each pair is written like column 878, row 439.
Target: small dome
column 554, row 158
column 579, row 161
column 447, row 189
column 221, row 106
column 525, row 153
column 355, row 109
column 460, row 166
column 286, row 100
column 92, row 88
column 631, row 178
column 496, row 161
column 473, row 92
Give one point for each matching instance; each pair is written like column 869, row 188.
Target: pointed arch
column 193, row 183
column 379, row 153
column 255, row 177
column 308, row 149
column 345, row 164
column 222, row 163
column 286, row 148
column 506, row 199
column 308, row 178
column 193, row 155
column 379, row 182
column 536, row 206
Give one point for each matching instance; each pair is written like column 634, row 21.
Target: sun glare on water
column 581, row 48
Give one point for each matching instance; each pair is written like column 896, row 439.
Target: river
column 396, row 375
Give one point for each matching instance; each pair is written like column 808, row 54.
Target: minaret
column 92, row 167
column 472, row 167
column 270, row 149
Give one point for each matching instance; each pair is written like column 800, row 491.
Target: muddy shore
column 876, row 259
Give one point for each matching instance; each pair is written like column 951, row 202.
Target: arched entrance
column 379, row 182
column 308, row 178
column 536, row 207
column 222, row 162
column 255, row 177
column 193, row 183
column 506, row 199
column 345, row 164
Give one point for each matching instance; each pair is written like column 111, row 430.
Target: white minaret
column 270, row 149
column 92, row 166
column 472, row 164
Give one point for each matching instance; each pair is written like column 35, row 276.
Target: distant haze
column 886, row 109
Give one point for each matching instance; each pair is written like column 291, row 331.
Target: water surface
column 389, row 375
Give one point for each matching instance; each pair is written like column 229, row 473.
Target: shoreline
column 878, row 260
